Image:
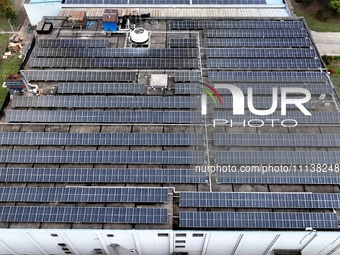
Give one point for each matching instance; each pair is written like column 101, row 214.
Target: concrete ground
column 327, row 43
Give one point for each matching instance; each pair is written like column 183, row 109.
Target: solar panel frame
column 258, row 33
column 183, row 43
column 73, row 43
column 100, row 88
column 187, row 76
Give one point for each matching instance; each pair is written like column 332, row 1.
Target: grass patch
column 335, row 77
column 4, row 26
column 318, row 16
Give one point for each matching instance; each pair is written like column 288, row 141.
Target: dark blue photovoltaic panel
column 315, row 118
column 259, row 42
column 86, row 139
column 188, row 88
column 187, row 76
column 277, row 157
column 228, row 2
column 101, row 157
column 259, row 200
column 299, row 175
column 258, row 33
column 101, row 175
column 104, row 116
column 263, row 220
column 79, row 75
column 157, row 102
column 277, row 140
column 86, row 195
column 158, row 2
column 183, row 43
column 100, row 88
column 83, row 214
column 235, row 76
column 73, row 43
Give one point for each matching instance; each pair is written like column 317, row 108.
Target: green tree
column 334, row 5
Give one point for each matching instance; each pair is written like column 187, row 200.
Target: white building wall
column 35, row 12
column 148, row 242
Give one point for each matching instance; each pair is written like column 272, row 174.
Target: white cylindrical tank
column 139, row 35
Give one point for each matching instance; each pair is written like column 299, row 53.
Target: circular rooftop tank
column 139, row 35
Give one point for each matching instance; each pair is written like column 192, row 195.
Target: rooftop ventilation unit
column 139, row 36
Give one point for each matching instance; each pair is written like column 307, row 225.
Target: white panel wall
column 147, row 242
column 35, row 12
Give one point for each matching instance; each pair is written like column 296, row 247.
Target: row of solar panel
column 80, row 75
column 277, row 157
column 258, row 42
column 183, row 43
column 83, row 214
column 86, row 195
column 235, row 76
column 257, row 103
column 37, row 138
column 303, row 174
column 100, row 88
column 260, row 53
column 101, row 157
column 259, row 33
column 73, row 43
column 146, row 63
column 315, row 118
column 296, row 140
column 236, row 24
column 165, row 2
column 101, row 175
column 114, row 53
column 259, row 200
column 187, row 76
column 264, row 220
column 261, row 63
column 107, row 102
column 258, row 89
column 104, row 116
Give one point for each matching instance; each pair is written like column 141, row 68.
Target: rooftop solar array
column 277, row 157
column 107, row 102
column 183, row 43
column 259, row 200
column 188, row 88
column 101, row 157
column 163, row 2
column 296, row 140
column 315, row 118
column 73, row 43
column 145, row 63
column 96, row 2
column 100, row 175
column 152, row 139
column 187, row 76
column 100, row 88
column 79, row 75
column 237, row 76
column 259, row 33
column 236, row 24
column 265, row 42
column 83, row 214
column 300, row 175
column 115, row 53
column 104, row 116
column 87, row 194
column 265, row 220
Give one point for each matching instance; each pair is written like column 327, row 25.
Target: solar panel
column 84, row 194
column 104, row 116
column 277, row 220
column 83, row 214
column 259, row 200
column 268, row 63
column 277, row 157
column 262, row 176
column 259, row 33
column 258, row 42
column 315, row 118
column 79, row 75
column 106, row 102
column 114, row 53
column 100, row 88
column 100, row 175
column 228, row 2
column 235, row 76
column 267, row 89
column 240, row 24
column 296, row 140
column 101, row 157
column 85, row 139
column 146, row 63
column 187, row 76
column 73, row 43
column 159, row 2
column 260, row 53
column 183, row 43
column 188, row 88
column 258, row 103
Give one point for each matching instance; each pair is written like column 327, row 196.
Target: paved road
column 327, row 43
